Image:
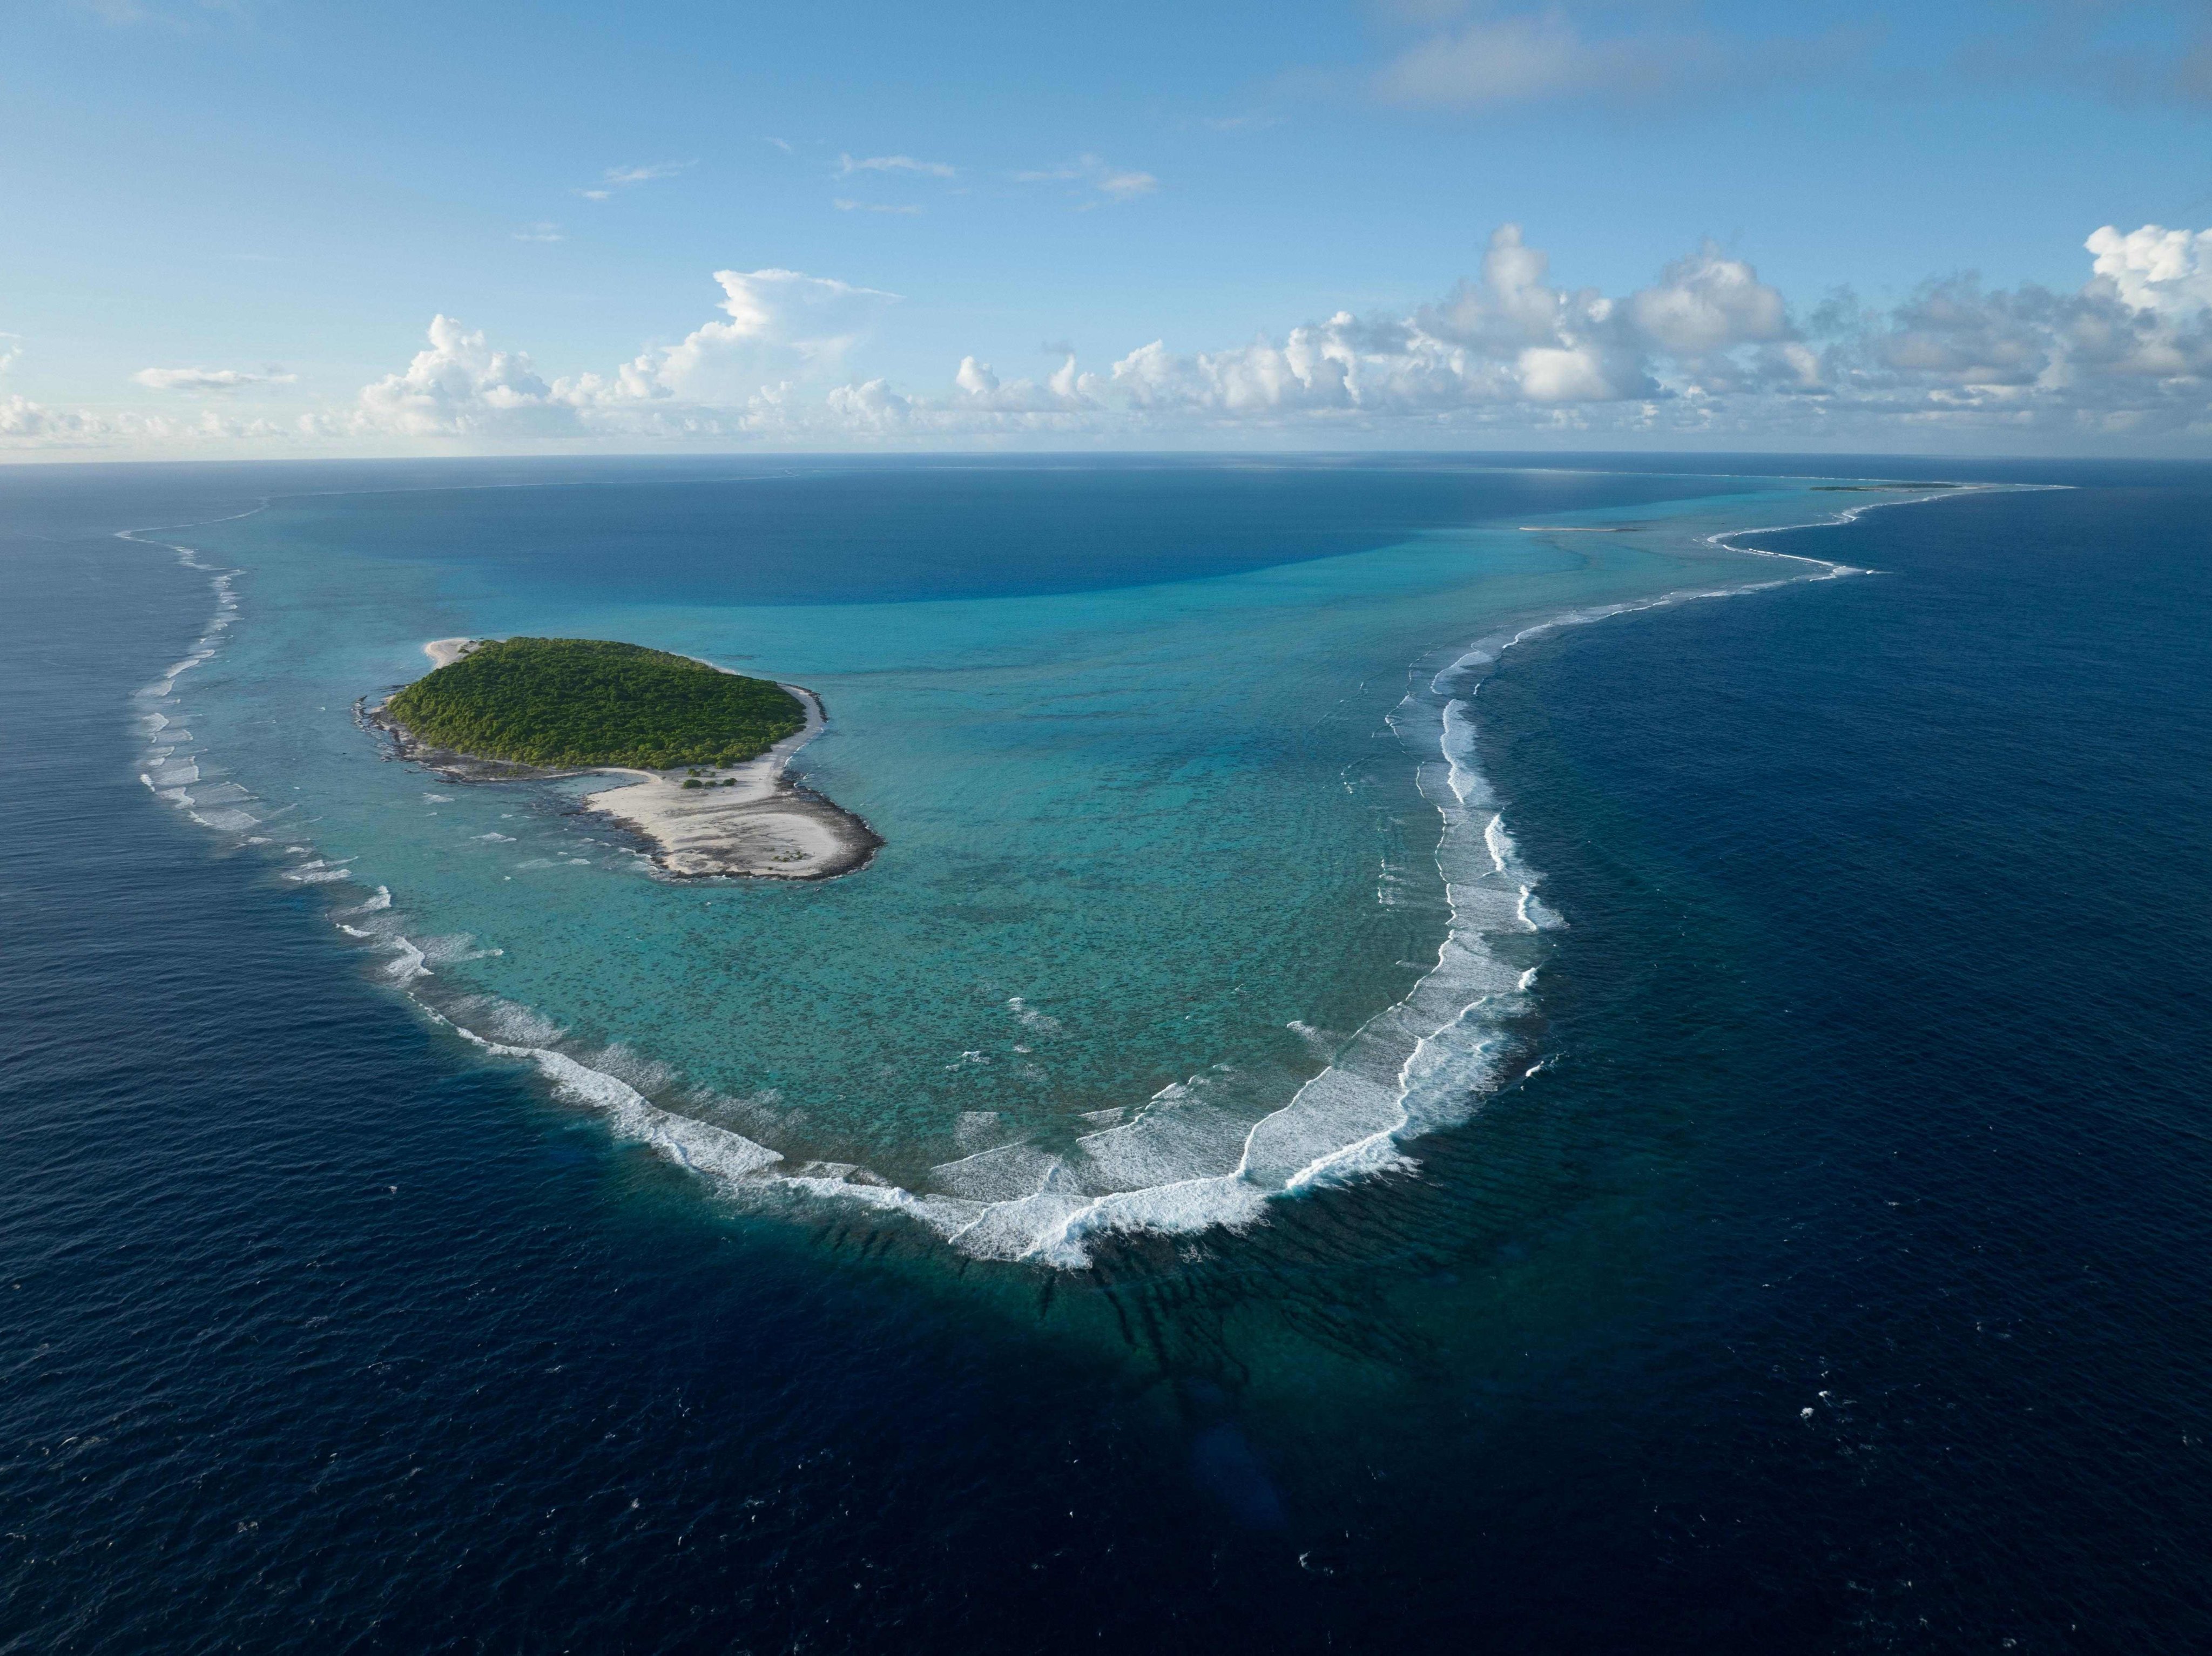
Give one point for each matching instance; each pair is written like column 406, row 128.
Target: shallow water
column 1831, row 1281
column 1161, row 926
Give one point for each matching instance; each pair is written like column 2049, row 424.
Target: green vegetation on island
column 563, row 702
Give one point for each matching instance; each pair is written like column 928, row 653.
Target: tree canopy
column 567, row 701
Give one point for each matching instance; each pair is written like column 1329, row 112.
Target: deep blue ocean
column 1722, row 1079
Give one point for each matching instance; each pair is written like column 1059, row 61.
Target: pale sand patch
column 445, row 652
column 749, row 820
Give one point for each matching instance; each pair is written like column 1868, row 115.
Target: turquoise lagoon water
column 1191, row 896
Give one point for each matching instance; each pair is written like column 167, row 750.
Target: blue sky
column 228, row 226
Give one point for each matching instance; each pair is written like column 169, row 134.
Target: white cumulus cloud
column 460, row 387
column 779, row 329
column 1507, row 335
column 1064, row 390
column 2130, row 351
column 2154, row 269
column 781, row 326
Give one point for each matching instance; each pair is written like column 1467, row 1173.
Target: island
column 705, row 749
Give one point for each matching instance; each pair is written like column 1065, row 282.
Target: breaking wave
column 1186, row 1160
column 171, row 764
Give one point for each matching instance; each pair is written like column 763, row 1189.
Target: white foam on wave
column 1181, row 1130
column 1423, row 1064
column 519, row 1026
column 1190, row 1159
column 1029, row 1018
column 172, row 768
column 1009, row 1173
column 1828, row 569
column 1186, row 1161
column 411, row 963
column 454, row 949
column 690, row 1143
column 176, row 773
column 632, row 1068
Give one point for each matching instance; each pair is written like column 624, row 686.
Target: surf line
column 1429, row 1061
column 1726, row 539
column 171, row 763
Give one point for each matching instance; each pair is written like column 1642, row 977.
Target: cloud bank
column 1706, row 352
column 778, row 328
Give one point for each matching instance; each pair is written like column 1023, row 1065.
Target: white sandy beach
column 746, row 819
